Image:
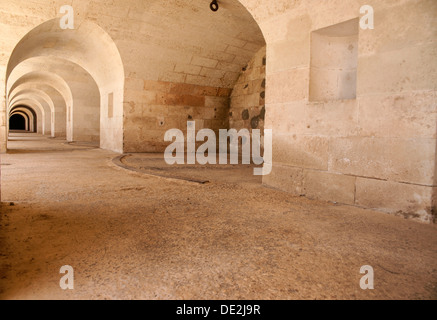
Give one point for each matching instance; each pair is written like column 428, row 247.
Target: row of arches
column 83, row 83
column 23, row 118
column 63, row 84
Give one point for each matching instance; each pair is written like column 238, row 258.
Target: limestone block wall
column 376, row 147
column 153, row 107
column 29, row 117
column 44, row 100
column 247, row 109
column 76, row 103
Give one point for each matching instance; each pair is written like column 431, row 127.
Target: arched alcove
column 43, row 99
column 33, row 109
column 31, row 113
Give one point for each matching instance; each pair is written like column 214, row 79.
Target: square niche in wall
column 334, row 60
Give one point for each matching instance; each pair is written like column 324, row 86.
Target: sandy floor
column 130, row 235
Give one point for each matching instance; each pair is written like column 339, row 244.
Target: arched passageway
column 17, row 122
column 189, row 76
column 82, row 77
column 34, row 114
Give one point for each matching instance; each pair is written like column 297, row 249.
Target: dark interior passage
column 17, row 122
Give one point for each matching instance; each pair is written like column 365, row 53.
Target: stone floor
column 131, row 235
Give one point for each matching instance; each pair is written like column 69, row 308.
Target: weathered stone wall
column 153, row 107
column 247, row 110
column 376, row 150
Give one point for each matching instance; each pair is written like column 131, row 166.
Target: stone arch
column 44, row 99
column 191, row 62
column 91, row 48
column 31, row 116
column 35, row 107
column 24, row 75
column 25, row 119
